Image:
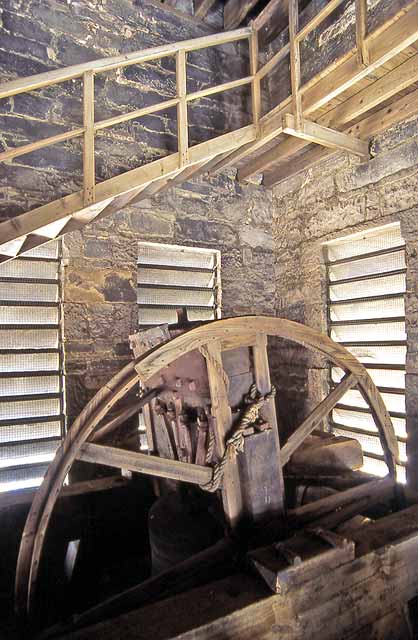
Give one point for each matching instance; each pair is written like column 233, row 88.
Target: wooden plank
column 226, row 86
column 231, row 490
column 334, row 605
column 274, row 60
column 263, row 382
column 382, row 488
column 40, row 144
column 361, row 33
column 295, row 62
column 256, row 84
column 235, row 11
column 144, row 463
column 368, row 98
column 32, row 220
column 397, row 112
column 318, row 18
column 89, row 178
column 24, row 497
column 48, row 78
column 313, row 132
column 202, row 7
column 136, row 113
column 315, row 417
column 385, row 43
column 182, row 120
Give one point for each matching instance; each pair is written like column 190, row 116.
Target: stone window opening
column 172, row 277
column 32, row 410
column 366, row 285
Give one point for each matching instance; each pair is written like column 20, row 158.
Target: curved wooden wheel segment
column 211, row 339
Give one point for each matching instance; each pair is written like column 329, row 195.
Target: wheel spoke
column 314, row 418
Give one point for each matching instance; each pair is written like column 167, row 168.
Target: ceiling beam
column 235, row 11
column 388, row 116
column 312, row 132
column 202, row 7
column 368, row 98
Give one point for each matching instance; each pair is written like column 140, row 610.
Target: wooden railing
column 73, row 211
column 88, row 71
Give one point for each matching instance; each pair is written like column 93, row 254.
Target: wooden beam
column 182, row 120
column 256, row 84
column 136, row 113
column 202, row 7
column 384, row 43
column 226, row 86
column 274, row 18
column 144, row 463
column 221, row 411
column 384, row 487
column 396, row 112
column 361, row 33
column 40, row 144
column 318, row 18
column 295, row 62
column 30, row 83
column 316, row 417
column 371, row 96
column 107, row 190
column 89, row 178
column 235, row 11
column 313, row 132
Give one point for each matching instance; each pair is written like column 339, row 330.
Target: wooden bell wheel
column 211, row 340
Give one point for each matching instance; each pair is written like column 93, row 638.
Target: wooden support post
column 256, row 82
column 361, row 33
column 263, row 382
column 88, row 146
column 182, row 122
column 295, row 61
column 231, row 489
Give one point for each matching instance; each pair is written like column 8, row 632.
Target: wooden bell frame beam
column 217, row 335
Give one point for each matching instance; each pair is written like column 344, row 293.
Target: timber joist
column 324, row 111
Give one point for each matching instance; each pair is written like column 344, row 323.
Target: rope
column 235, row 443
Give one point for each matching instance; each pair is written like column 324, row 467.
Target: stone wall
column 339, row 197
column 100, row 263
column 100, row 308
column 41, row 35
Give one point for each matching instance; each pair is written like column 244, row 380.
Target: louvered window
column 366, row 313
column 172, row 277
column 31, row 378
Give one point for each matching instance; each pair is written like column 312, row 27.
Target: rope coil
column 235, row 443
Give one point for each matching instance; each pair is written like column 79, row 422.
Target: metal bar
column 363, row 256
column 40, row 144
column 348, row 407
column 343, row 323
column 28, row 327
column 29, row 350
column 14, row 443
column 28, row 374
column 34, row 420
column 170, row 267
column 385, row 296
column 174, row 287
column 30, row 397
column 142, row 305
column 374, row 343
column 364, row 432
column 29, row 280
column 372, row 276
